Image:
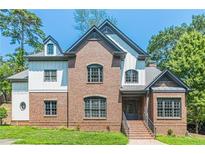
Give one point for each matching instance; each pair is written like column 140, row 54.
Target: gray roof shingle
column 19, row 76
column 150, row 74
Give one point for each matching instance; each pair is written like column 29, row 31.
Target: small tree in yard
column 3, row 114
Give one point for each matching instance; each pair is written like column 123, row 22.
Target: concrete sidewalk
column 6, row 141
column 145, row 142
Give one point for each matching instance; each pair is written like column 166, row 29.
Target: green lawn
column 33, row 135
column 182, row 140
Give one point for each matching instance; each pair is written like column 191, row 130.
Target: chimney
column 152, row 64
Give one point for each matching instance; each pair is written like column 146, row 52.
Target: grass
column 181, row 140
column 34, row 135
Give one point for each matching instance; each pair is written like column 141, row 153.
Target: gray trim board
column 47, row 58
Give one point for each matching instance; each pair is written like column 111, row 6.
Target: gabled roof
column 123, row 36
column 115, row 47
column 172, row 76
column 54, row 41
column 21, row 76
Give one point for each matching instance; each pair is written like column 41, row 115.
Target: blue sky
column 139, row 25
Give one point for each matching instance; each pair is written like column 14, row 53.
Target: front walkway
column 6, row 141
column 144, row 142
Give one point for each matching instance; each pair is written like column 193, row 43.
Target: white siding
column 36, row 76
column 20, row 94
column 130, row 61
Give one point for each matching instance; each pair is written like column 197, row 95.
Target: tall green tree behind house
column 24, row 29
column 187, row 60
column 85, row 19
column 161, row 44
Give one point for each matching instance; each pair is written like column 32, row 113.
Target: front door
column 131, row 110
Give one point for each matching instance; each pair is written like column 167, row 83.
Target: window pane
column 95, row 73
column 131, row 76
column 50, row 107
column 50, row 49
column 169, row 107
column 50, row 75
column 95, row 107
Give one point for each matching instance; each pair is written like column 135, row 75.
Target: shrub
column 170, row 132
column 3, row 114
column 108, row 128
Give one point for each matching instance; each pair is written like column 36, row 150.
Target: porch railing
column 125, row 126
column 149, row 124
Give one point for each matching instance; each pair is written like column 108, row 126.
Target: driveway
column 145, row 142
column 6, row 141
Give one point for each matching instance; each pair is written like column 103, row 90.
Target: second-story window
column 95, row 73
column 50, row 49
column 131, row 76
column 50, row 75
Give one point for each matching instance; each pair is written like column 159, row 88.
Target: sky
column 139, row 25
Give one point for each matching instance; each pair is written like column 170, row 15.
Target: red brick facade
column 179, row 125
column 37, row 115
column 94, row 52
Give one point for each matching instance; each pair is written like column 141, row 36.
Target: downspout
column 67, row 110
column 146, row 107
column 67, row 97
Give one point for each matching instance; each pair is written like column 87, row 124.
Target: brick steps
column 138, row 130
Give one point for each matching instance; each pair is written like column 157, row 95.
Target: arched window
column 50, row 49
column 95, row 107
column 131, row 76
column 95, row 73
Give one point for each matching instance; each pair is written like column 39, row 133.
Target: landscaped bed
column 182, row 140
column 34, row 135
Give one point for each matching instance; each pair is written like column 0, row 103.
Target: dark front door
column 131, row 110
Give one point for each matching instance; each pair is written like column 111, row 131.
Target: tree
column 3, row 114
column 165, row 41
column 23, row 27
column 187, row 61
column 17, row 61
column 1, row 60
column 85, row 19
column 5, row 85
column 161, row 44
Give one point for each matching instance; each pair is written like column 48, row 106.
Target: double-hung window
column 50, row 75
column 95, row 107
column 169, row 107
column 50, row 49
column 50, row 107
column 95, row 73
column 131, row 76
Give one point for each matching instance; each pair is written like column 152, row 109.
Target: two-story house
column 100, row 83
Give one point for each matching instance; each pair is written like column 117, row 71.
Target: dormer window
column 131, row 76
column 50, row 49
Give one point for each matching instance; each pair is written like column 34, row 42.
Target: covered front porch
column 133, row 107
column 135, row 122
